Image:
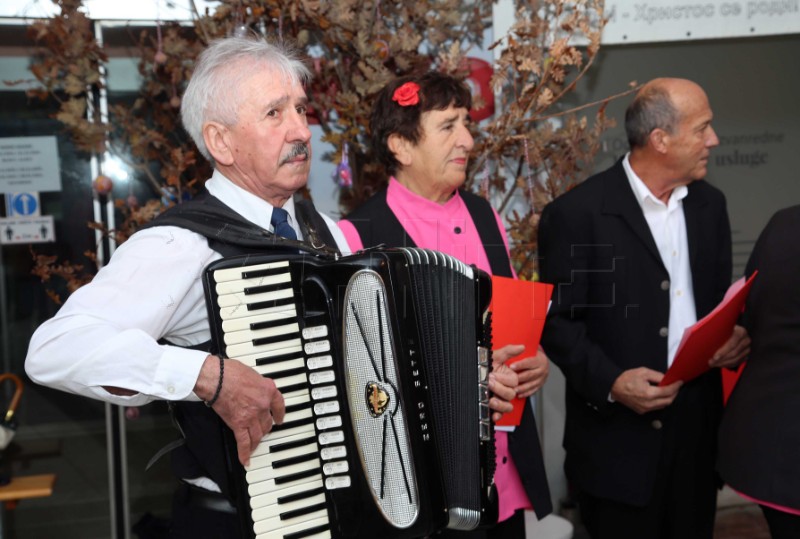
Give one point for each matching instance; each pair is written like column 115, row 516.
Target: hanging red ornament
column 312, row 116
column 479, row 81
column 102, row 184
column 160, row 57
column 343, row 176
column 381, row 47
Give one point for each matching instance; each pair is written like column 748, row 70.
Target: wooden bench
column 21, row 488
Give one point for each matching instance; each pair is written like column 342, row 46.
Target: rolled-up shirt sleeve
column 113, row 332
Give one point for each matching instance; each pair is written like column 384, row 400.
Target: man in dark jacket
column 638, row 253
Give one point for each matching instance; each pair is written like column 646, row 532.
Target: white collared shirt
column 248, row 205
column 107, row 332
column 668, row 227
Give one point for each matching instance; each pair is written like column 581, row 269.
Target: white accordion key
column 280, row 435
column 247, row 348
column 239, row 285
column 269, row 479
column 320, row 518
column 266, row 370
column 299, row 414
column 252, row 360
column 275, row 510
column 247, row 335
column 288, row 313
column 238, row 298
column 276, row 496
column 271, row 473
column 268, row 459
column 296, row 399
column 241, row 311
column 236, row 274
column 269, row 486
column 296, row 422
column 287, row 443
column 290, row 380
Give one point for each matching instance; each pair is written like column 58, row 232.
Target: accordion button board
column 371, row 442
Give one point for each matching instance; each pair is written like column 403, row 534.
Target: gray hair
column 212, row 93
column 651, row 109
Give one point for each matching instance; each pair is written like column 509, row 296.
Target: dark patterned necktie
column 280, row 224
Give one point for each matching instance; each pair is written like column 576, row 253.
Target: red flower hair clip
column 407, row 94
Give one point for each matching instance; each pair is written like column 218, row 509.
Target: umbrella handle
column 17, row 394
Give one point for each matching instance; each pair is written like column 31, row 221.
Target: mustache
column 298, row 149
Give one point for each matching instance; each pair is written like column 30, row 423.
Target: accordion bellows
column 383, row 359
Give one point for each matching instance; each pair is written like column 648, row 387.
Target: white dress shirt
column 668, row 227
column 107, row 332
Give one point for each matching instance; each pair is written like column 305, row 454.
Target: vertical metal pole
column 117, row 471
column 116, row 441
column 4, row 317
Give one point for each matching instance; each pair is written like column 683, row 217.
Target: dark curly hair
column 437, row 91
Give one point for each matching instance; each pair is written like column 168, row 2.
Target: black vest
column 208, row 448
column 377, row 225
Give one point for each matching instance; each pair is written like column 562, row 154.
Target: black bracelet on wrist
column 219, row 385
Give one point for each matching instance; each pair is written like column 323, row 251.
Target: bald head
column 660, row 104
column 669, row 129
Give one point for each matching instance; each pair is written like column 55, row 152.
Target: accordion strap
column 229, row 233
column 493, row 245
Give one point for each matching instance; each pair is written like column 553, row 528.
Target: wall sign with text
column 29, row 164
column 637, row 21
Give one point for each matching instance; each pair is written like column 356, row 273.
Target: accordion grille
column 377, row 414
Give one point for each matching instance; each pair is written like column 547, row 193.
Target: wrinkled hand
column 532, row 373
column 636, row 389
column 734, row 351
column 248, row 402
column 501, row 355
column 503, row 383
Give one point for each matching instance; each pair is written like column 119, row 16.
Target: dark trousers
column 196, row 513
column 684, row 499
column 782, row 525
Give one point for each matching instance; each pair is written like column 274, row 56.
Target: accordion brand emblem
column 377, row 399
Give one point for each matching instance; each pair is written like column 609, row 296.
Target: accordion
column 383, row 360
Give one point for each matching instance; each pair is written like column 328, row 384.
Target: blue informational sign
column 22, row 204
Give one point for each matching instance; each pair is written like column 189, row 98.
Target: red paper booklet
column 702, row 339
column 518, row 312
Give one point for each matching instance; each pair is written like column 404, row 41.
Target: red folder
column 518, row 312
column 705, row 337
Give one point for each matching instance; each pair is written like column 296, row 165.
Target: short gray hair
column 212, row 92
column 651, row 109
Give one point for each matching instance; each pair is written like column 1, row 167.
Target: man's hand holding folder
column 714, row 341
